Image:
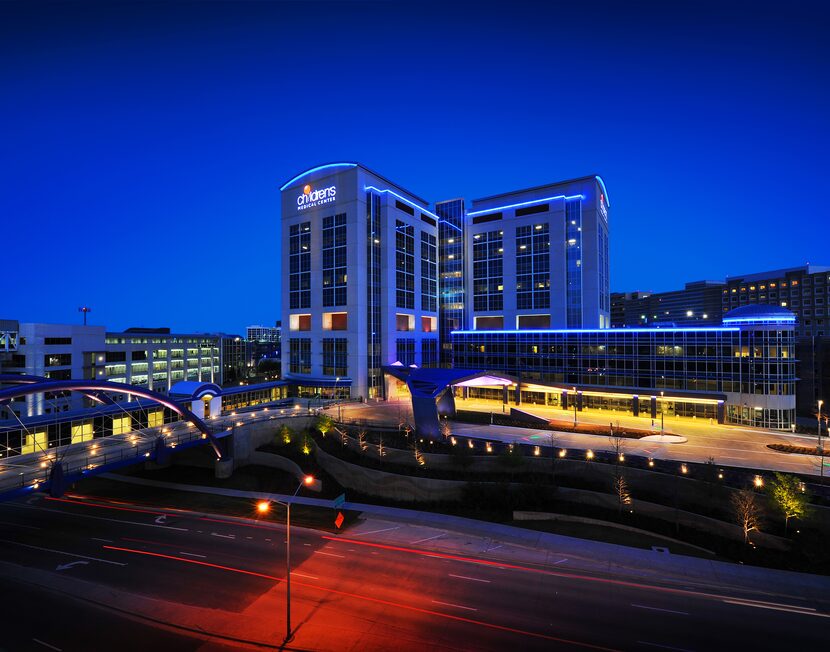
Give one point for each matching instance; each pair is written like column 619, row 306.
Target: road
column 729, row 445
column 218, row 583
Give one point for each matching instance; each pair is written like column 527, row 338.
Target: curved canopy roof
column 195, row 389
column 759, row 312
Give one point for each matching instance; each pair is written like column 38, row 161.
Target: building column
column 635, row 405
column 721, row 411
column 653, row 407
column 564, row 399
column 518, row 395
column 579, row 401
column 505, row 395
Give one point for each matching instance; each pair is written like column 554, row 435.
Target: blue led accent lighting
column 604, row 191
column 614, row 331
column 317, row 169
column 759, row 320
column 524, row 203
column 442, row 221
column 404, row 200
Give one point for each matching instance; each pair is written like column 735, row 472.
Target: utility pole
column 85, row 310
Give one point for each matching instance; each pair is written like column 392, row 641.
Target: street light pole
column 336, row 401
column 263, row 507
column 574, row 407
column 820, row 447
column 662, row 422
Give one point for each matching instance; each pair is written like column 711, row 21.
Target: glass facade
column 533, row 266
column 573, row 261
column 488, row 272
column 405, row 350
column 334, row 260
column 429, row 272
column 404, row 265
column 373, row 294
column 334, row 356
column 744, row 366
column 451, row 274
column 299, row 269
column 299, row 355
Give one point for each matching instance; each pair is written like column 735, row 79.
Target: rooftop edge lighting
column 524, row 203
column 317, row 169
column 403, row 199
column 614, row 331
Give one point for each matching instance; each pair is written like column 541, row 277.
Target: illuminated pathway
column 729, row 445
column 384, row 584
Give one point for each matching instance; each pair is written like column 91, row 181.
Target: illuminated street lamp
column 820, row 447
column 661, row 412
column 574, row 390
column 262, row 507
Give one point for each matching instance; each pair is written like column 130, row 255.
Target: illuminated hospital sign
column 311, row 198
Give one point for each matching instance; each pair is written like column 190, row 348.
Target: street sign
column 339, row 520
column 339, row 501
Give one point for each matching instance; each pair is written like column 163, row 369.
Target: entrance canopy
column 432, row 382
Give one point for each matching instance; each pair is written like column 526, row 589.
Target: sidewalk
column 455, row 535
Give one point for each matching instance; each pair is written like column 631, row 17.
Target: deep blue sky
column 143, row 145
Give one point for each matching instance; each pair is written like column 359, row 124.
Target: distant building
column 152, row 358
column 698, row 303
column 234, row 359
column 804, row 290
column 264, row 333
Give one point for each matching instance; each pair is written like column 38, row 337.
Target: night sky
column 143, row 144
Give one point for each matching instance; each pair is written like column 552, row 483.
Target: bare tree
column 617, row 442
column 446, row 430
column 361, row 440
column 324, row 424
column 621, row 489
column 747, row 512
column 789, row 496
column 381, row 449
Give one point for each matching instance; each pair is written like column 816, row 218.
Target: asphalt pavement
column 174, row 580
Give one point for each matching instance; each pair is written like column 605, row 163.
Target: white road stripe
column 665, row 647
column 103, row 540
column 804, row 611
column 310, row 577
column 192, row 554
column 457, row 606
column 43, row 643
column 472, row 579
column 387, row 529
column 667, row 611
column 100, row 518
column 223, row 536
column 328, row 554
column 437, row 536
column 561, row 561
column 63, row 552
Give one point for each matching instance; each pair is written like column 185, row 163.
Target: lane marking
column 457, row 606
column 561, row 561
column 62, row 552
column 388, row 603
column 667, row 611
column 45, row 644
column 103, row 540
column 310, row 577
column 472, row 579
column 328, row 554
column 387, row 529
column 804, row 611
column 437, row 536
column 665, row 647
column 223, row 536
column 100, row 518
column 192, row 554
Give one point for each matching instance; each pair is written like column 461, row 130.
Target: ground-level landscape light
column 589, row 454
column 758, row 482
column 684, row 469
column 651, row 462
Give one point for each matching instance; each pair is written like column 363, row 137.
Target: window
column 335, row 321
column 488, row 280
column 492, row 217
column 406, row 208
column 299, row 265
column 429, row 352
column 405, row 350
column 299, row 360
column 404, row 265
column 334, row 356
column 532, row 210
column 52, row 341
column 57, row 359
column 429, row 272
column 533, row 266
column 334, row 260
column 299, row 322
